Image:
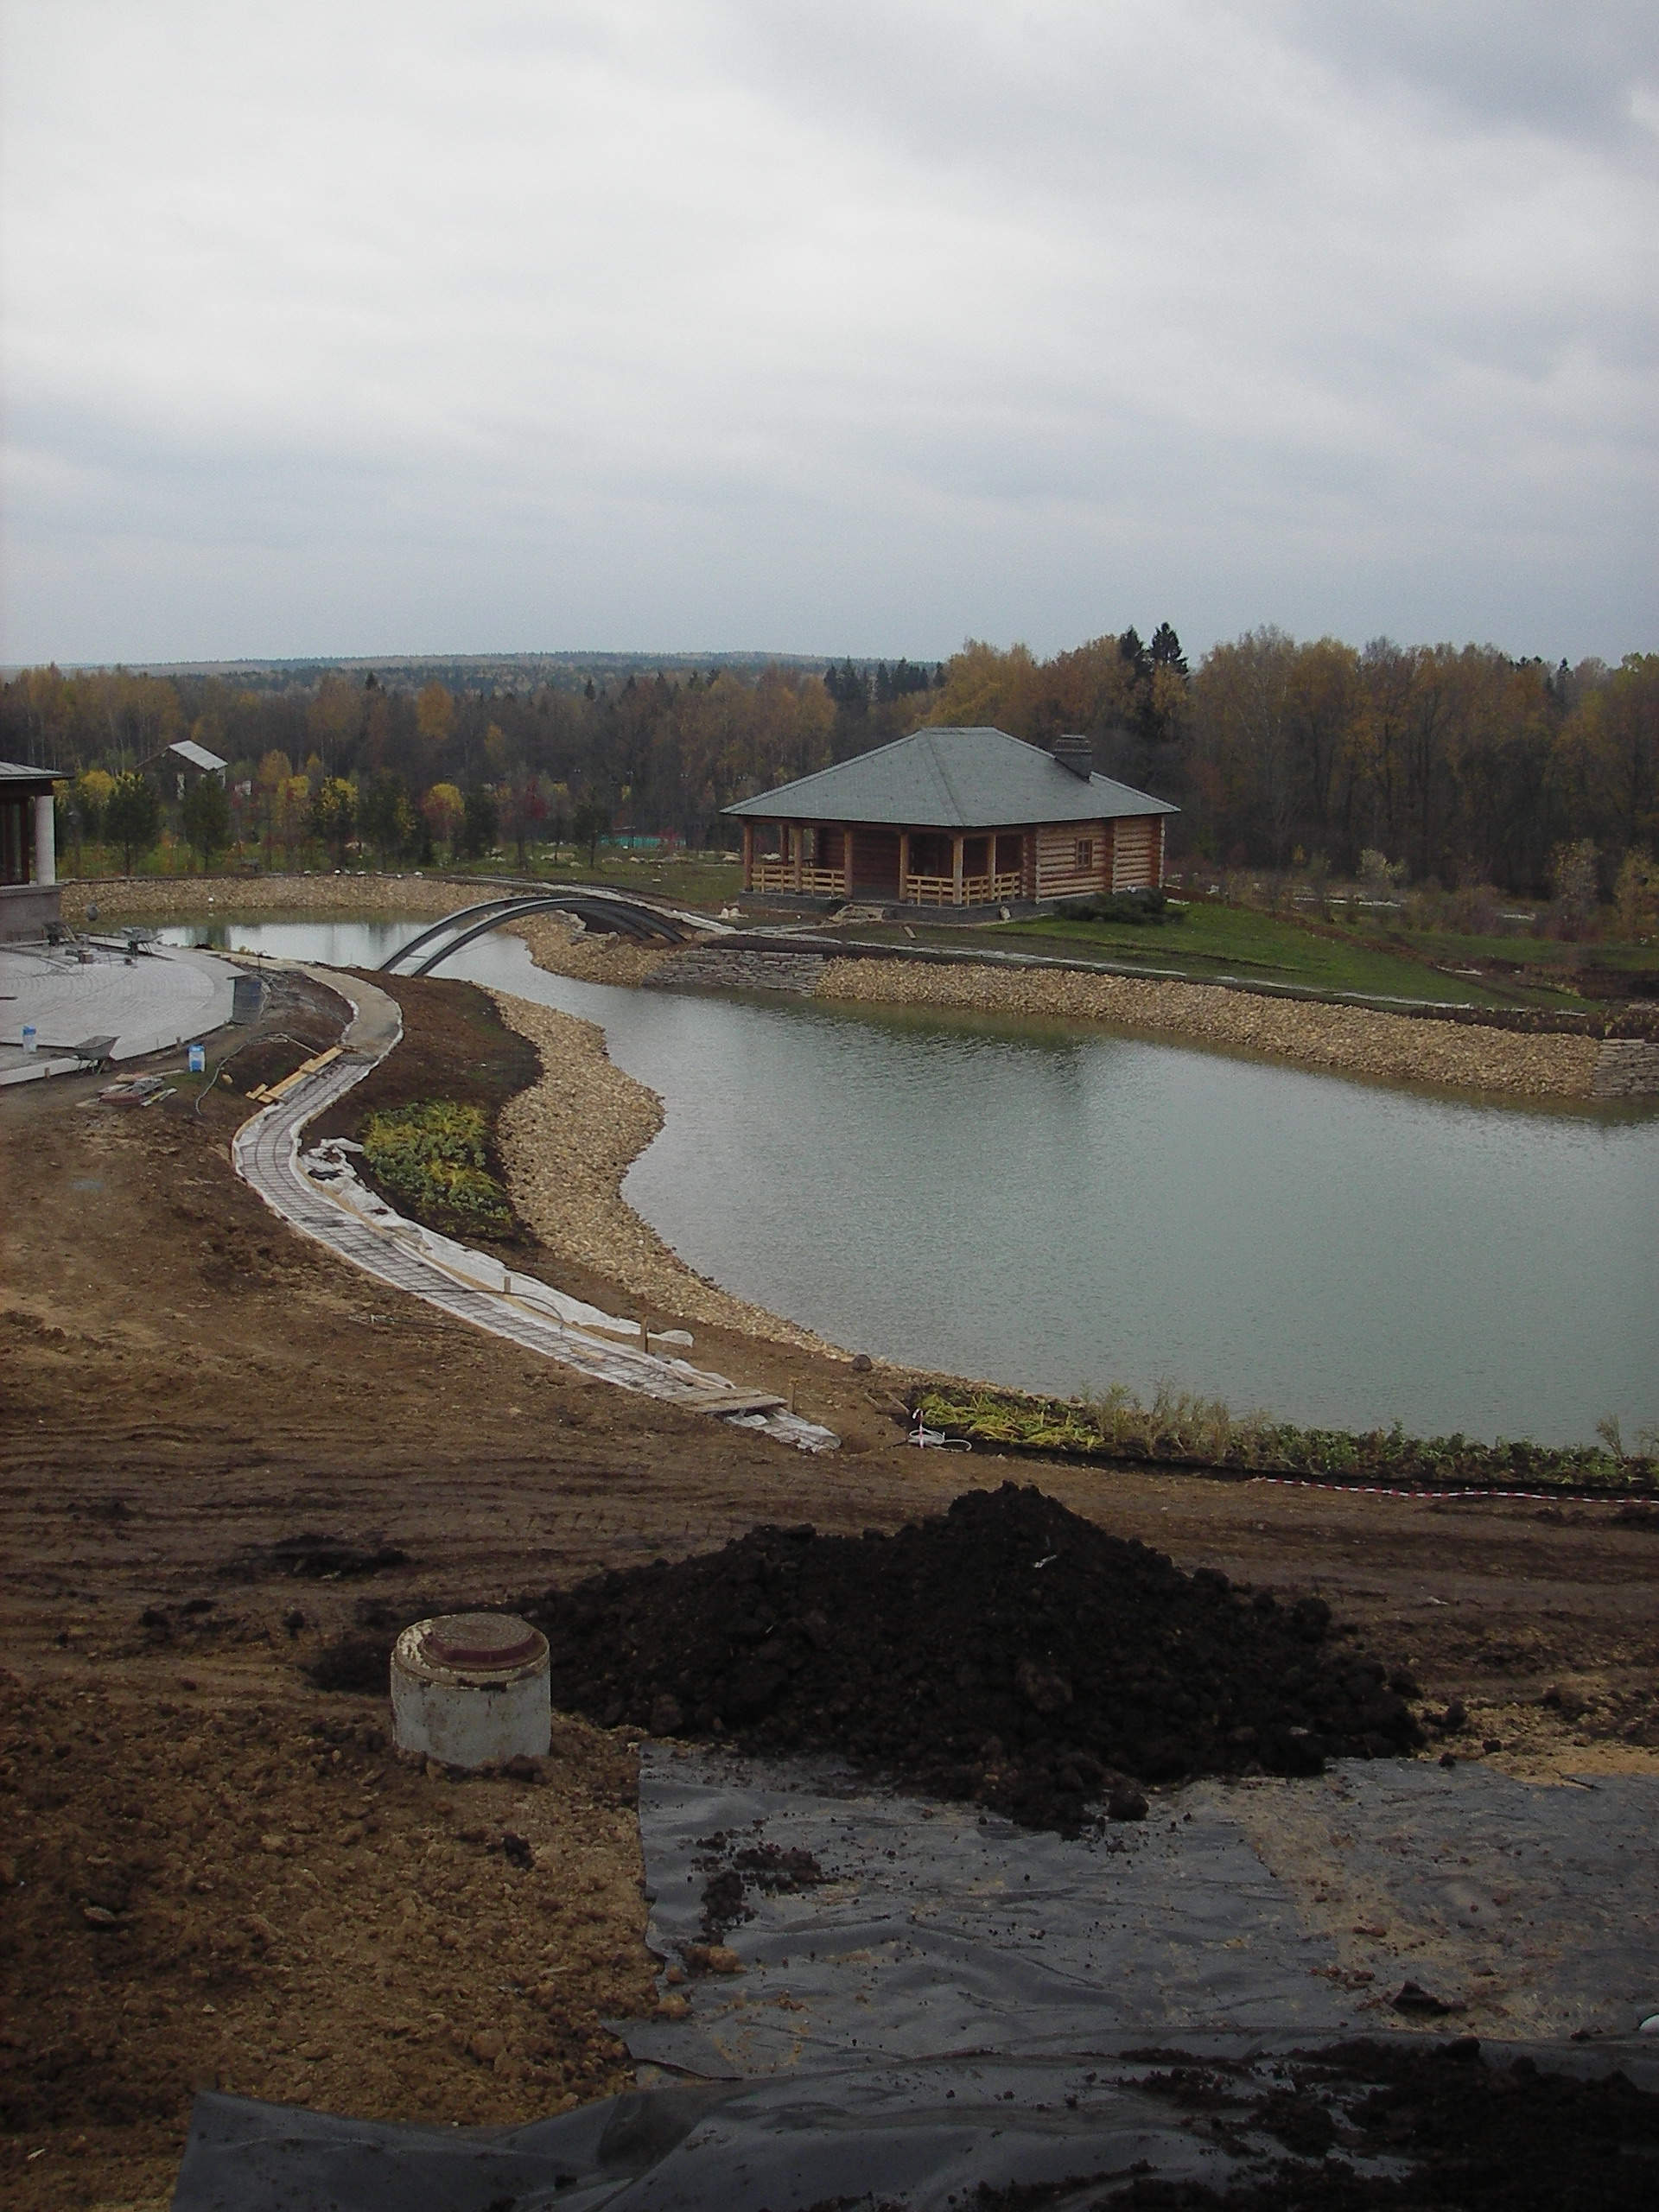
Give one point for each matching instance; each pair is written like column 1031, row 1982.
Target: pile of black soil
column 1009, row 1651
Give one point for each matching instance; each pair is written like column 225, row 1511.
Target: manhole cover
column 481, row 1640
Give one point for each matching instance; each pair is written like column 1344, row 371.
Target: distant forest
column 1459, row 765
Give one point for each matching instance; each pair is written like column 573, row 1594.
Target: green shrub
column 1203, row 1432
column 435, row 1156
column 1122, row 906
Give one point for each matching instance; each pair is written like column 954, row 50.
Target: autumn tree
column 443, row 807
column 334, row 815
column 523, row 810
column 434, row 721
column 590, row 822
column 333, row 719
column 383, row 814
column 293, row 813
column 480, row 821
column 1472, row 765
column 88, row 798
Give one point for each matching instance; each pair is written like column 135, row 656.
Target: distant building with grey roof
column 184, row 760
column 954, row 818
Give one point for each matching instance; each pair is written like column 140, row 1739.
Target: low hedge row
column 1196, row 1433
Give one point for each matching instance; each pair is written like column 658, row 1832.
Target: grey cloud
column 1569, row 69
column 854, row 327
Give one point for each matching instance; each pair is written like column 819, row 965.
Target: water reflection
column 1061, row 1208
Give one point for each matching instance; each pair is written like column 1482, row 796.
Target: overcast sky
column 457, row 325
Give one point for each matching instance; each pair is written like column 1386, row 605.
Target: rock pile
column 1009, row 1651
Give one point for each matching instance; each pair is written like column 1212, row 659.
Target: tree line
column 1457, row 765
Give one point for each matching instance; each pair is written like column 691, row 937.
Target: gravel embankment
column 1351, row 1040
column 185, row 898
column 568, row 1141
column 559, row 943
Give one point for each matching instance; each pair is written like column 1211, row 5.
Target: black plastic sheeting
column 1277, row 1908
column 924, row 2137
column 946, row 2001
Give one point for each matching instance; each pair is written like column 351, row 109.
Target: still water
column 1064, row 1208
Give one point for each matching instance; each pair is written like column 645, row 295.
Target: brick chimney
column 1075, row 753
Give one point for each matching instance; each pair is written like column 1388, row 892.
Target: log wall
column 1058, row 875
column 1136, row 852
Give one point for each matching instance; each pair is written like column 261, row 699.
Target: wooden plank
column 732, row 1402
column 272, row 1092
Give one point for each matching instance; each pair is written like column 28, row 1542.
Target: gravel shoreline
column 559, row 943
column 1346, row 1039
column 184, row 898
column 568, row 1141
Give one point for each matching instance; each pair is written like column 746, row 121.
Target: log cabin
column 954, row 818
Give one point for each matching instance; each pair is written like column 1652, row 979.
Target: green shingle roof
column 951, row 779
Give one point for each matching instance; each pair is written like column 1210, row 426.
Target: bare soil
column 190, row 1823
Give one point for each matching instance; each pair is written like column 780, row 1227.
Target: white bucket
column 471, row 1689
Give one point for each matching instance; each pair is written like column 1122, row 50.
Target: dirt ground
column 215, row 1873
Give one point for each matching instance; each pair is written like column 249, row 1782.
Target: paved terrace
column 161, row 996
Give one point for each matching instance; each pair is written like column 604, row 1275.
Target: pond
column 1061, row 1208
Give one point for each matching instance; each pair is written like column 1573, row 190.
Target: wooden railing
column 820, row 882
column 977, row 890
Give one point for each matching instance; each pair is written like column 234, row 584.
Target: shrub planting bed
column 1201, row 1434
column 1007, row 1651
column 435, row 1157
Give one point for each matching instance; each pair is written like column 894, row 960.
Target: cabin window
column 1086, row 854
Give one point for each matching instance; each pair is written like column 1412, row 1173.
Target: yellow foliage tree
column 443, row 806
column 434, row 713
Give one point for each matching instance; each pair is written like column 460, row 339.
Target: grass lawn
column 1232, row 941
column 1539, row 952
column 703, row 881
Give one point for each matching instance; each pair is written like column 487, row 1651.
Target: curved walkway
column 470, row 1288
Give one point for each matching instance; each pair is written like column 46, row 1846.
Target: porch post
column 798, row 831
column 955, row 869
column 46, row 857
column 847, row 863
column 748, row 855
column 904, row 862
